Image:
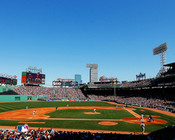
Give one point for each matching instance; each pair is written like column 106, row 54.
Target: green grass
column 79, row 124
column 79, row 113
column 22, row 105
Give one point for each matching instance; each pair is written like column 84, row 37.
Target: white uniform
column 141, row 117
column 34, row 112
column 94, row 110
column 142, row 127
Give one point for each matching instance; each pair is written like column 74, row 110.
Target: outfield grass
column 22, row 105
column 79, row 124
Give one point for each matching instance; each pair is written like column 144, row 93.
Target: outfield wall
column 6, row 88
column 7, row 98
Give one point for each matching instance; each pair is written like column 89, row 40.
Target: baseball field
column 79, row 116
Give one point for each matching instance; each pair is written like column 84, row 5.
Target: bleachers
column 57, row 93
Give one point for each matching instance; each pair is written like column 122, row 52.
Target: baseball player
column 34, row 112
column 122, row 106
column 26, row 107
column 141, row 117
column 150, row 118
column 142, row 125
column 116, row 107
column 94, row 110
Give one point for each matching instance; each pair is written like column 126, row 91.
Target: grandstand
column 153, row 92
column 53, row 93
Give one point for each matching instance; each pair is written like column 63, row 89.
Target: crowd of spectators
column 100, row 97
column 141, row 101
column 139, row 83
column 57, row 93
column 51, row 134
column 76, row 93
column 125, row 84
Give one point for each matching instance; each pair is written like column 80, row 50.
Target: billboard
column 65, row 83
column 104, row 78
column 33, row 78
column 57, row 83
column 73, row 83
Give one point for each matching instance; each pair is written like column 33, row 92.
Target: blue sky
column 62, row 36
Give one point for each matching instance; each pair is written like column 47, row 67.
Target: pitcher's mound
column 108, row 123
column 92, row 113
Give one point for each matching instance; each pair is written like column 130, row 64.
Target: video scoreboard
column 7, row 81
column 33, row 78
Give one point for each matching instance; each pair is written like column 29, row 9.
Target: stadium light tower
column 161, row 49
column 115, row 89
column 93, row 72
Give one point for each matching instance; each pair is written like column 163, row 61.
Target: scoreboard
column 33, row 78
column 8, row 81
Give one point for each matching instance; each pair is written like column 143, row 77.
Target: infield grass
column 79, row 113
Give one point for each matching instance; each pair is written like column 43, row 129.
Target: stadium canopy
column 170, row 65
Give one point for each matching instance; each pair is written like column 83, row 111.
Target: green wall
column 4, row 98
column 6, row 88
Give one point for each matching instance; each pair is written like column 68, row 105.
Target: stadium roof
column 170, row 65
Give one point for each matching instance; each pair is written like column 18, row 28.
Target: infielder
column 150, row 118
column 141, row 117
column 34, row 112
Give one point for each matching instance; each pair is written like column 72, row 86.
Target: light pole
column 114, row 90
